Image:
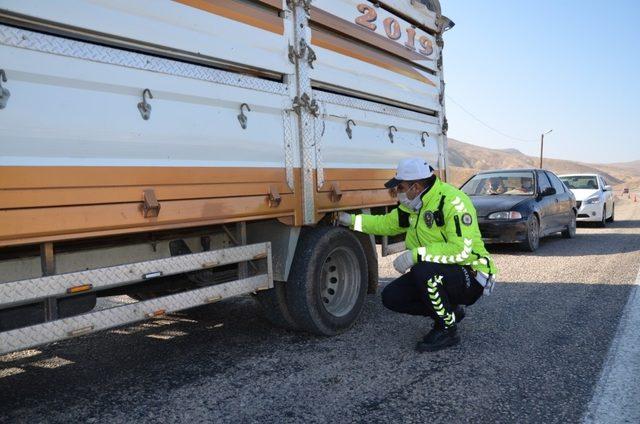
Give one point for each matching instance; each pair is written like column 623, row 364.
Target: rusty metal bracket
column 293, row 54
column 311, row 55
column 298, row 104
column 304, row 48
column 314, row 108
column 305, row 101
column 306, row 4
column 336, row 193
column 274, row 197
column 150, row 207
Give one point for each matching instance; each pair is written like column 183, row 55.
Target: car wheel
column 570, row 232
column 613, row 213
column 603, row 222
column 533, row 235
column 328, row 281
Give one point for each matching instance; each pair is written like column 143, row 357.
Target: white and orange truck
column 181, row 152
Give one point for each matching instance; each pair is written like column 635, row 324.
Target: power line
column 489, row 126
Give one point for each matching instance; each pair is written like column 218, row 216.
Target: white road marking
column 617, row 394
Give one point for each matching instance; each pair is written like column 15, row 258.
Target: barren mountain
column 467, row 159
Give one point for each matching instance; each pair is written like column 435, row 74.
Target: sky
column 524, row 67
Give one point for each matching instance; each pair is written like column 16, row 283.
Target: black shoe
column 437, row 325
column 429, row 337
column 439, row 339
column 459, row 312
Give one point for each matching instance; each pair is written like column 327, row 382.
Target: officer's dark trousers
column 433, row 290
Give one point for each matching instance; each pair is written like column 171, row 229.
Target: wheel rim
column 534, row 234
column 341, row 282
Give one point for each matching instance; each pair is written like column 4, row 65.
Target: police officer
column 447, row 263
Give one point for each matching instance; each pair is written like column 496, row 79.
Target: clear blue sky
column 527, row 66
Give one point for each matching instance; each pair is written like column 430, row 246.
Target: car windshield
column 501, row 183
column 580, row 182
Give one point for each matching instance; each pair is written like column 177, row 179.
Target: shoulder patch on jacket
column 467, row 219
column 403, row 219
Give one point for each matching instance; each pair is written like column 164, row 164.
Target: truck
column 181, row 152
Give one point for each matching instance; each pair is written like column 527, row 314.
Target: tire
column 372, row 261
column 603, row 222
column 570, row 232
column 532, row 242
column 275, row 306
column 613, row 213
column 328, row 281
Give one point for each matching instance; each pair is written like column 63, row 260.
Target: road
column 532, row 352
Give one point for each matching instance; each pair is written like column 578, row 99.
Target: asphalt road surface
column 532, row 352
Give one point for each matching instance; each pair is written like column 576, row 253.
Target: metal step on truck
column 182, row 152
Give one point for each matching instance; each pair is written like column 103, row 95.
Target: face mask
column 414, row 204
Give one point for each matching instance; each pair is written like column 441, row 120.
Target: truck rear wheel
column 275, row 306
column 328, row 281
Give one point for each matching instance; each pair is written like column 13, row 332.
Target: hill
column 467, row 159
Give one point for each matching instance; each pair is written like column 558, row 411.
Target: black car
column 521, row 205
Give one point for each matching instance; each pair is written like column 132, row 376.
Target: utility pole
column 542, row 145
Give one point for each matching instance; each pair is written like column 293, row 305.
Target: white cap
column 411, row 169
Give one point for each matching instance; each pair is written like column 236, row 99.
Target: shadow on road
column 584, row 244
column 613, row 225
column 524, row 348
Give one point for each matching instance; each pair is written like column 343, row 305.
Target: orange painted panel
column 21, row 226
column 241, row 11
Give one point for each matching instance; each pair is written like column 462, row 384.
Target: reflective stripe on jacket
column 456, row 241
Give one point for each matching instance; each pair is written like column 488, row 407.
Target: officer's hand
column 344, row 219
column 403, row 262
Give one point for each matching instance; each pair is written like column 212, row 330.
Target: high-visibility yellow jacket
column 452, row 239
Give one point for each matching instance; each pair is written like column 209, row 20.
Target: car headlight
column 505, row 215
column 592, row 200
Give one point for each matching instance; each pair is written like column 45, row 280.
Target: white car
column 594, row 198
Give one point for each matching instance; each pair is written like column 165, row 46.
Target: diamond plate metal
column 26, row 337
column 31, row 40
column 290, row 119
column 318, row 133
column 307, row 120
column 442, row 116
column 370, row 106
column 56, row 285
column 289, row 141
column 308, row 165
